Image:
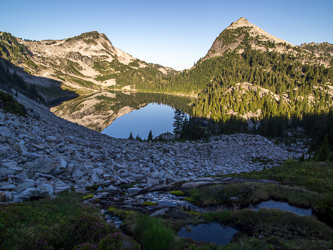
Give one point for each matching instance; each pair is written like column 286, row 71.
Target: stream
column 164, row 202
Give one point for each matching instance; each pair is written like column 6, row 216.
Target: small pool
column 283, row 206
column 213, row 232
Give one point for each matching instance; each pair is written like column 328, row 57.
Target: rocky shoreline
column 42, row 155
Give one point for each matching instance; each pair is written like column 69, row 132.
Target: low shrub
column 123, row 214
column 194, row 245
column 153, row 233
column 222, row 216
column 117, row 241
column 85, row 246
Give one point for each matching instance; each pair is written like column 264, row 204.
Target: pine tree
column 178, row 121
column 150, row 136
column 131, row 136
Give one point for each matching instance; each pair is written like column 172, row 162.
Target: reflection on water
column 213, row 232
column 283, row 206
column 138, row 112
column 155, row 117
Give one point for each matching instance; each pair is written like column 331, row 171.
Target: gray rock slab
column 51, row 138
column 152, row 181
column 5, row 132
column 81, row 190
column 160, row 212
column 197, row 184
column 45, row 190
column 6, row 186
column 31, row 155
column 133, row 191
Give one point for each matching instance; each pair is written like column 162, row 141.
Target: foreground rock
column 48, row 155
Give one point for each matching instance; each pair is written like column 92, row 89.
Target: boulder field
column 42, row 155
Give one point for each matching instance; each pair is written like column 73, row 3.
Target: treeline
column 280, row 73
column 283, row 75
column 318, row 127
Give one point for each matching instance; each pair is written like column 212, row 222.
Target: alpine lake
column 118, row 114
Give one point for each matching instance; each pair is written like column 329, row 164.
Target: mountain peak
column 242, row 33
column 241, row 22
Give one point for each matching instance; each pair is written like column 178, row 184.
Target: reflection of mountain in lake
column 97, row 111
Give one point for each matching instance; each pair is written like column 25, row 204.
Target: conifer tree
column 150, row 136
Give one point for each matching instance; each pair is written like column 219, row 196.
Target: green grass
column 123, row 214
column 249, row 193
column 290, row 228
column 57, row 223
column 314, row 176
column 305, row 184
column 153, row 233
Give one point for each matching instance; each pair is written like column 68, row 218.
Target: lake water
column 155, row 117
column 213, row 232
column 284, row 206
column 118, row 113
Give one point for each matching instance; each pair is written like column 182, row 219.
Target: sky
column 173, row 33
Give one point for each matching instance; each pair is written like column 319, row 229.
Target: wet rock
column 187, row 207
column 160, row 212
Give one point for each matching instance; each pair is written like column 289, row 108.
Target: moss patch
column 177, row 193
column 149, row 203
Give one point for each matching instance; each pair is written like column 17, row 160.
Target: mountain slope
column 84, row 64
column 244, row 53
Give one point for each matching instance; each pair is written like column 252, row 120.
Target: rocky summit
column 42, row 155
